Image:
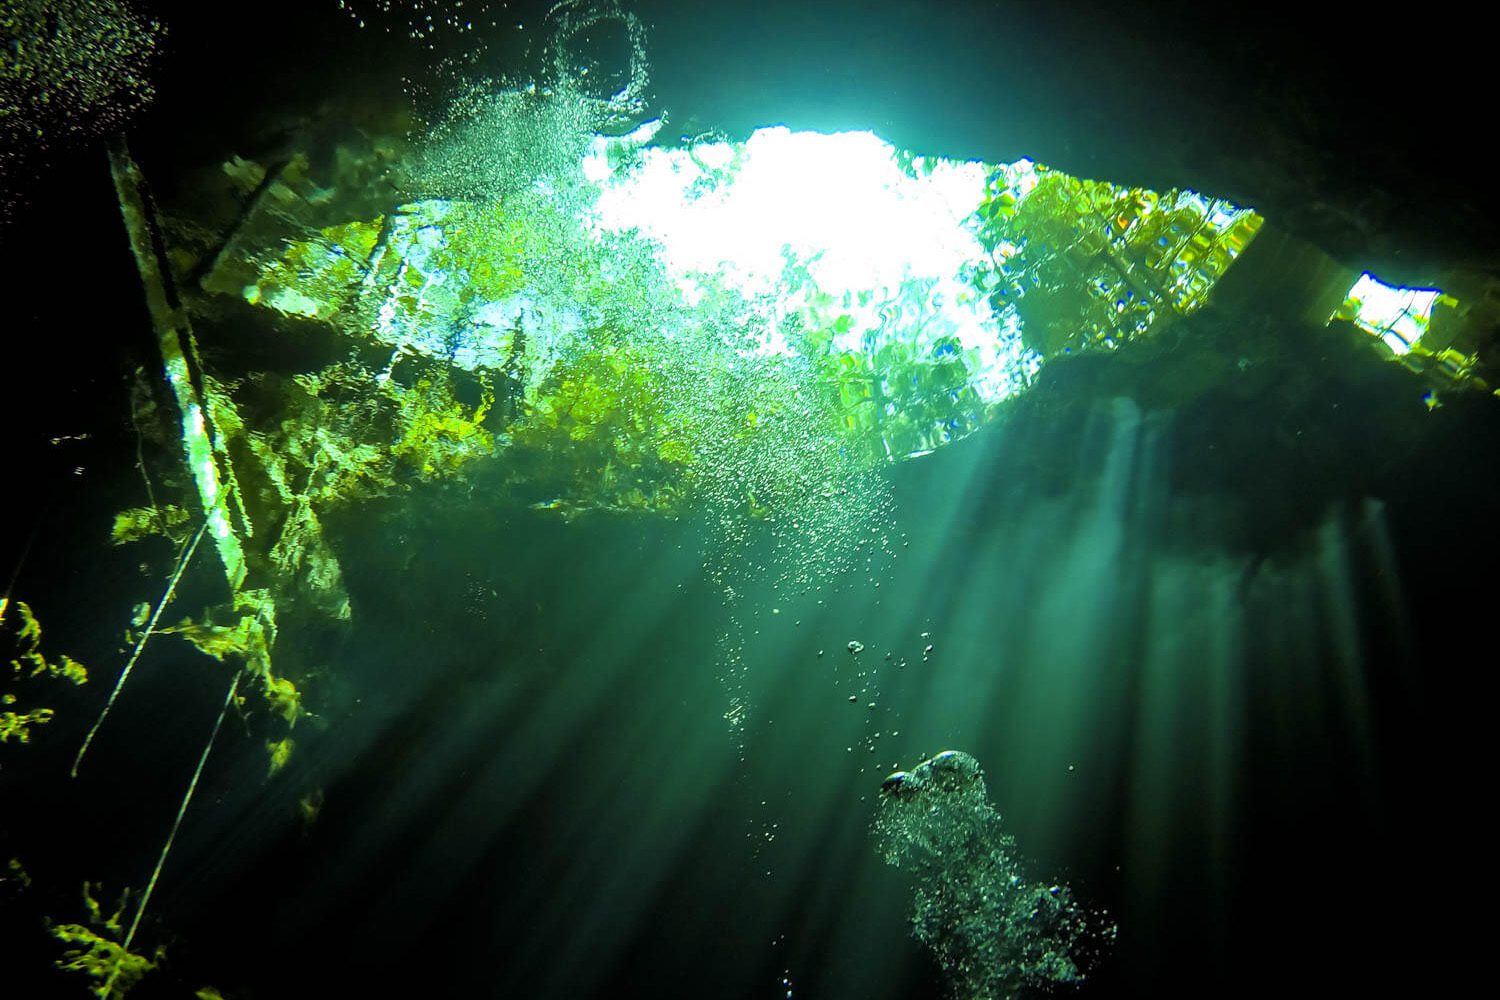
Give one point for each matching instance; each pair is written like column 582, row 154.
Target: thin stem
column 166, row 848
column 140, row 644
column 140, row 464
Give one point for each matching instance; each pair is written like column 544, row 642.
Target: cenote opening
column 851, row 500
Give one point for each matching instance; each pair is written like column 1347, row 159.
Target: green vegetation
column 137, row 523
column 1090, row 264
column 573, row 329
column 248, row 640
column 97, row 951
column 279, row 752
column 603, row 410
column 17, row 725
column 17, row 873
column 317, row 277
column 438, row 435
column 28, row 663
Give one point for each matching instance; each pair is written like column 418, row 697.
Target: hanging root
column 166, row 848
column 183, row 558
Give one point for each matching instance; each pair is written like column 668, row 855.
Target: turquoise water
column 573, row 715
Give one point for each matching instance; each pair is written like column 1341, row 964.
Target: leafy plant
column 1086, row 263
column 600, row 434
column 136, row 523
column 29, row 663
column 98, row 949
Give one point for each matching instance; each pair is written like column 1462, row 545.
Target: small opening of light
column 1398, row 317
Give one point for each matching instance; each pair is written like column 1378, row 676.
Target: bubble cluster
column 459, row 41
column 787, row 509
column 69, row 69
column 860, row 681
column 494, row 142
column 427, row 21
column 494, row 136
column 994, row 932
column 598, row 48
column 454, row 35
column 756, row 437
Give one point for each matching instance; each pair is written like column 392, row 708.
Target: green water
column 515, row 604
